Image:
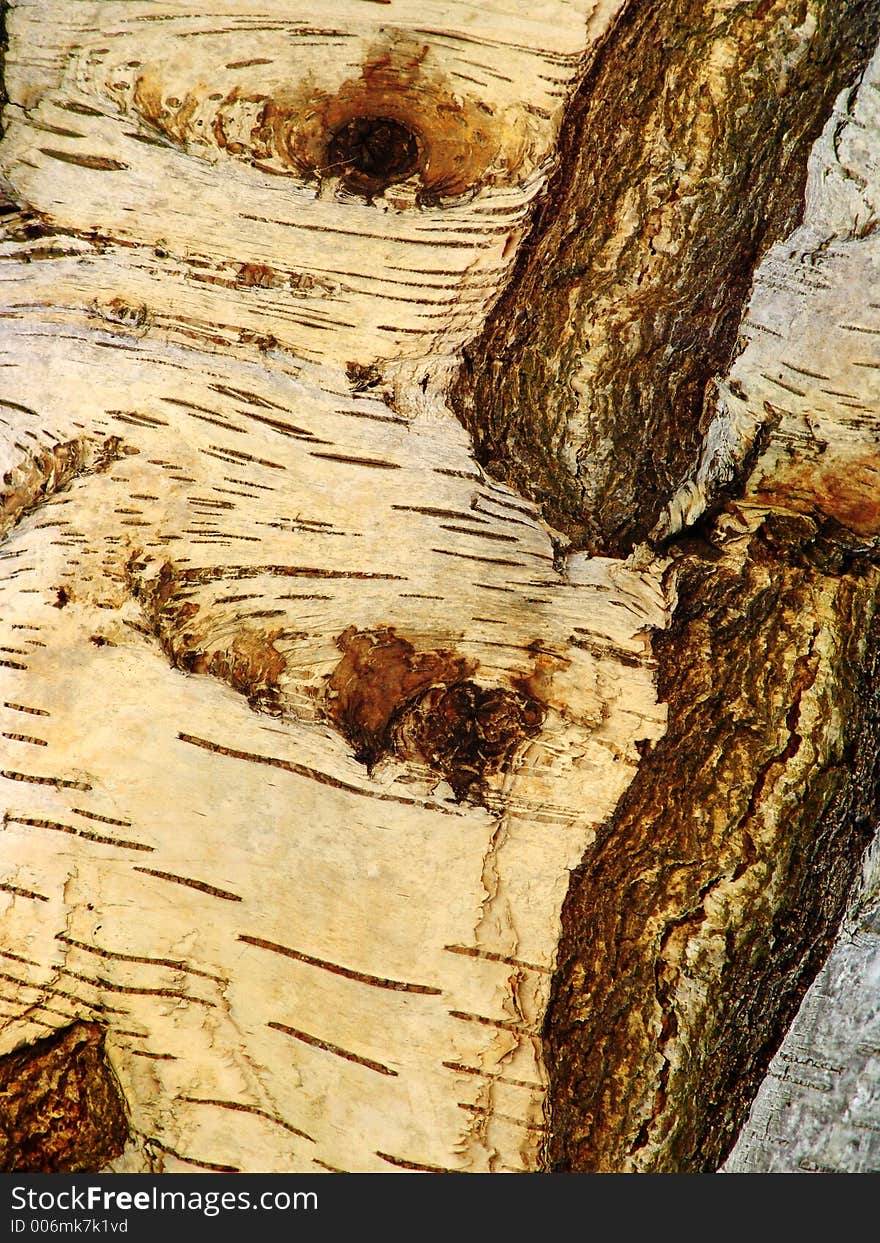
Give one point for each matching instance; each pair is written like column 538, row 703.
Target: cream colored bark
column 356, row 963
column 224, row 422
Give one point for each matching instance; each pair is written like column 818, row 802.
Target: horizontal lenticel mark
column 312, row 774
column 15, row 1001
column 60, row 992
column 377, row 463
column 238, row 456
column 136, row 420
column 508, row 1025
column 467, row 556
column 100, row 838
column 23, row 893
column 15, row 405
column 381, row 237
column 215, row 419
column 238, row 1107
column 483, row 1111
column 99, row 982
column 496, row 1077
column 479, row 533
column 285, row 429
column 483, row 41
column 202, row 886
column 327, row 1047
column 214, row 1166
column 609, row 651
column 93, row 815
column 100, row 163
column 58, row 782
column 149, row 140
column 472, row 951
column 27, row 1017
column 221, row 573
column 31, row 962
column 419, row 1166
column 336, row 969
column 83, row 110
column 246, row 64
column 433, row 512
column 175, row 964
column 247, row 395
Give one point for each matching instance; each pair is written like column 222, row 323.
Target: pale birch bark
column 248, row 547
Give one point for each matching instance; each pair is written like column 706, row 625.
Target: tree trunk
column 438, row 720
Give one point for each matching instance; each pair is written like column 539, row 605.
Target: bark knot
column 387, row 698
column 247, row 660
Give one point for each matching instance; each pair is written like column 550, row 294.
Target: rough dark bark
column 683, row 157
column 61, row 1108
column 692, row 931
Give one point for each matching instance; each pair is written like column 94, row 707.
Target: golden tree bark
column 438, row 632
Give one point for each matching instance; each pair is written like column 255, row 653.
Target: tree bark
column 682, row 160
column 438, row 714
column 816, row 1110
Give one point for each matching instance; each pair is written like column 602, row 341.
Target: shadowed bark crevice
column 682, row 158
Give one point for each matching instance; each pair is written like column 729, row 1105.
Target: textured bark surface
column 308, row 726
column 683, row 158
column 304, row 886
column 735, row 847
column 817, row 1109
column 61, row 1109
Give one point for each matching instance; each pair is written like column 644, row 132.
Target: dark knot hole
column 369, row 153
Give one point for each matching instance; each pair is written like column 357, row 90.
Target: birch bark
column 345, row 788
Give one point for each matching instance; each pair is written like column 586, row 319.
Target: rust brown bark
column 692, row 931
column 61, row 1109
column 683, row 157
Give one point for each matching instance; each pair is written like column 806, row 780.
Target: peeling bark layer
column 693, row 928
column 682, row 158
